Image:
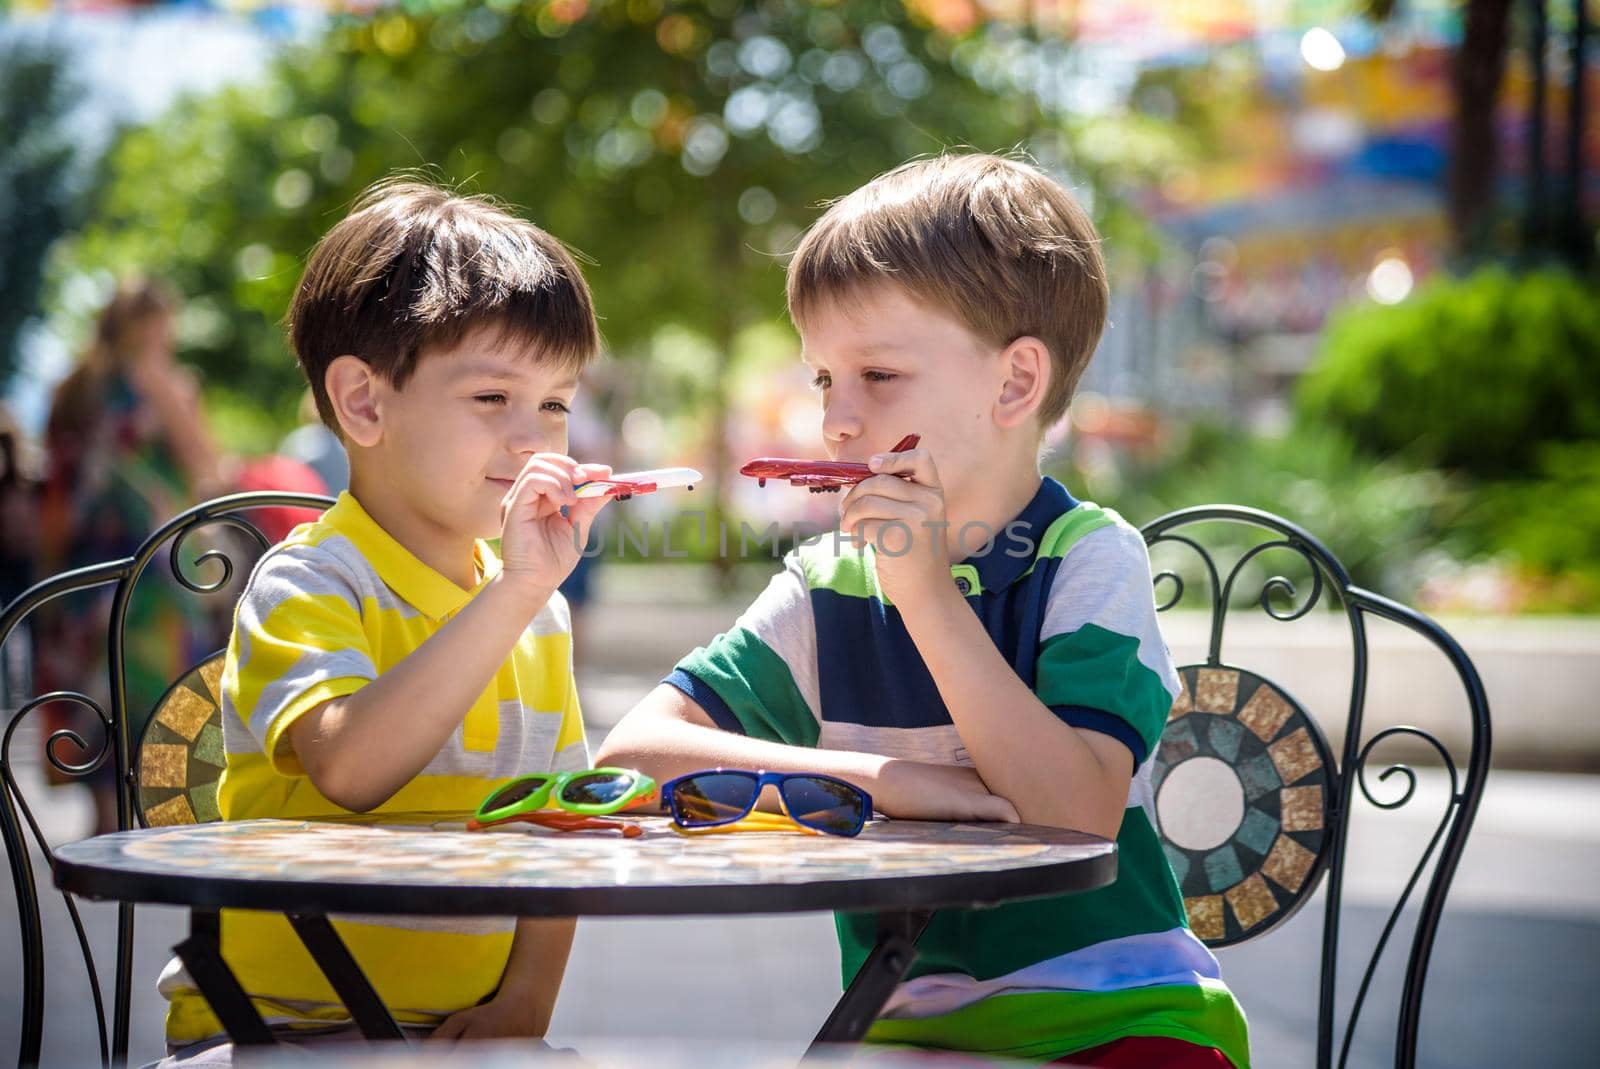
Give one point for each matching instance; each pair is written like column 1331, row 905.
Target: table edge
column 892, row 892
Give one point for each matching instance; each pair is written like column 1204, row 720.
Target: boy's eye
column 490, row 398
column 557, row 406
column 879, row 376
column 822, row 381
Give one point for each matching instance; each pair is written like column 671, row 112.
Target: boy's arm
column 528, row 988
column 668, row 734
column 1054, row 773
column 360, row 748
column 358, row 751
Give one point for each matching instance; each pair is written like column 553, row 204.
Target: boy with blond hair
column 385, row 659
column 984, row 646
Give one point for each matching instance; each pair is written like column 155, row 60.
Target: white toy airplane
column 625, row 485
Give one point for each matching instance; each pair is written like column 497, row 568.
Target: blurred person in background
column 127, row 448
column 283, row 474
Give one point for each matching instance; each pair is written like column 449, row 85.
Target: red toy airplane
column 818, row 476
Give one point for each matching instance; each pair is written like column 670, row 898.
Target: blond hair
column 994, row 241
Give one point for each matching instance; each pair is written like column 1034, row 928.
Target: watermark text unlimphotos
column 690, row 534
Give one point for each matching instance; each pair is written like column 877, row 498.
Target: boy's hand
column 913, row 790
column 904, row 520
column 538, row 545
column 499, row 1018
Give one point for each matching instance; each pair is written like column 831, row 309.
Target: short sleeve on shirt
column 298, row 641
column 759, row 678
column 1102, row 663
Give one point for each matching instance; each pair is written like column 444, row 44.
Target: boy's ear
column 353, row 391
column 1025, row 364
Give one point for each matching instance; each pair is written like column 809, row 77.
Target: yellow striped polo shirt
column 327, row 611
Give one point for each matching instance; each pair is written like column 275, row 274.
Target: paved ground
column 1512, row 981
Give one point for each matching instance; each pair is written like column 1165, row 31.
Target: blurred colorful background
column 1354, row 254
column 1352, row 242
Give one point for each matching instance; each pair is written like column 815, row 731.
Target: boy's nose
column 840, row 424
column 525, row 442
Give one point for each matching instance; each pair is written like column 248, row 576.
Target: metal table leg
column 346, row 977
column 875, row 981
column 201, row 955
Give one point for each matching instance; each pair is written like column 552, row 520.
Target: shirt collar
column 413, row 581
column 1010, row 553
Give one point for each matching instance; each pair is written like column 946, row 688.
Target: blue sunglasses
column 722, row 796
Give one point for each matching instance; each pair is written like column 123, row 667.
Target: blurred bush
column 1547, row 527
column 1380, row 517
column 1476, row 374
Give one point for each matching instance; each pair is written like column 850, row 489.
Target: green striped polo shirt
column 822, row 659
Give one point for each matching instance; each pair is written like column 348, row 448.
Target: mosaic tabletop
column 433, row 865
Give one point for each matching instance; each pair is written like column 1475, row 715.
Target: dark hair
column 414, row 267
column 77, row 404
column 137, row 299
column 996, row 242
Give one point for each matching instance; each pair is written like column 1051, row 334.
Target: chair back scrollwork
column 153, row 781
column 1252, row 802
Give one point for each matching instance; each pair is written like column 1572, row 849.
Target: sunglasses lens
column 824, row 804
column 712, row 798
column 514, row 792
column 598, row 788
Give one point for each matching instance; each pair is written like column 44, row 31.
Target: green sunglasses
column 591, row 793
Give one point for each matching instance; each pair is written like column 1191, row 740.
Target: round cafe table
column 430, row 865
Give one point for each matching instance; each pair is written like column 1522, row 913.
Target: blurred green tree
column 681, row 145
column 40, row 185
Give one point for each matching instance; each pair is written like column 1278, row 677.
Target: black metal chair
column 1256, row 804
column 166, row 775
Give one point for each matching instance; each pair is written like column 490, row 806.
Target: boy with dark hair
column 385, row 659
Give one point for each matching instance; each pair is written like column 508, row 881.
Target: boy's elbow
column 624, row 747
column 1092, row 820
column 342, row 783
column 342, row 777
column 356, row 801
column 1106, row 825
column 650, row 730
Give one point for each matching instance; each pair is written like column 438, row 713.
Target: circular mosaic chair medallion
column 180, row 755
column 1241, row 784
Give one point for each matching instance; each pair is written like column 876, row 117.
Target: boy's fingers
column 538, row 495
column 556, row 467
column 563, row 470
column 590, row 472
column 917, row 463
column 878, row 510
column 872, row 521
column 544, row 479
column 582, row 516
column 893, row 489
column 875, row 506
column 556, row 460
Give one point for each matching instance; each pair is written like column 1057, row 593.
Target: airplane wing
column 818, row 482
